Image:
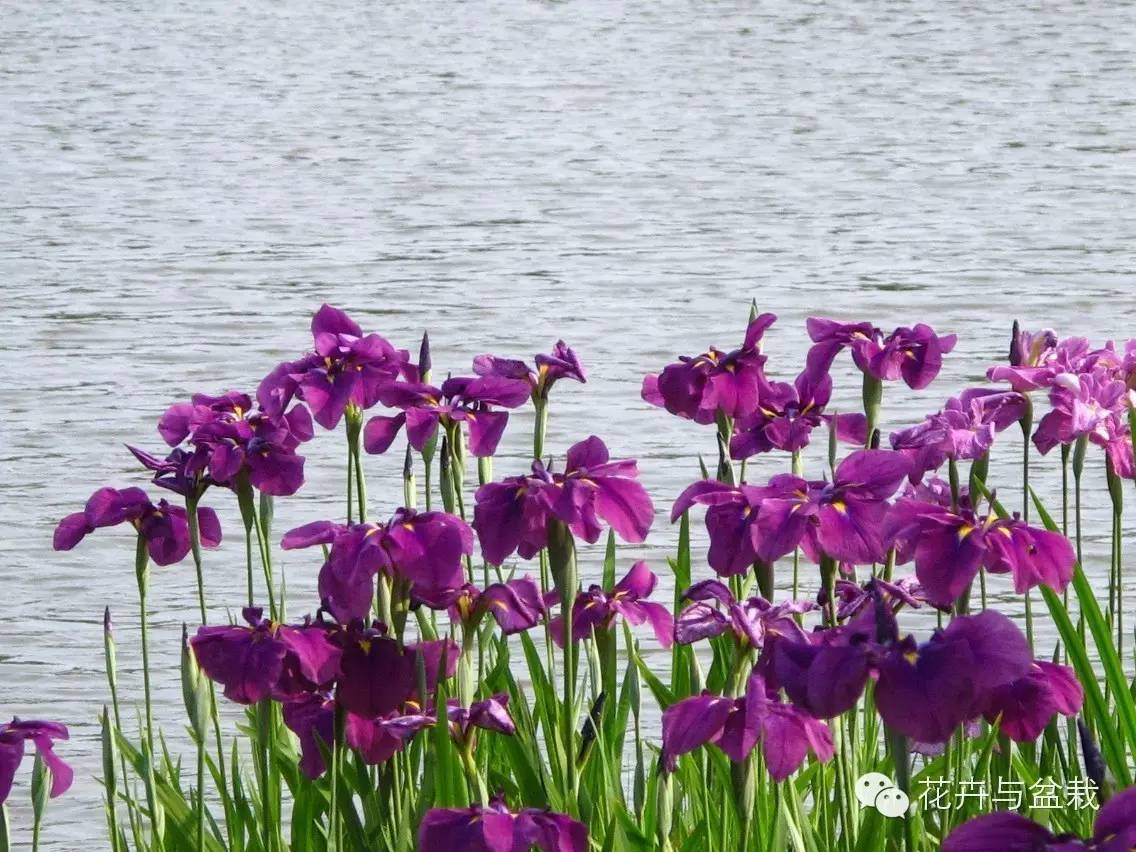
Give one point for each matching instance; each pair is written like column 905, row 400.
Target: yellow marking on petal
column 1005, row 532
column 365, row 644
column 840, row 506
column 911, row 657
column 964, row 531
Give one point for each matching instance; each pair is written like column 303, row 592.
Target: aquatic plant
column 399, row 716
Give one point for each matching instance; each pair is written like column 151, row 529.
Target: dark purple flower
column 1113, row 831
column 1023, row 707
column 596, row 609
column 262, row 659
column 913, row 354
column 346, row 368
column 950, row 546
column 731, row 521
column 698, row 388
column 851, row 598
column 737, row 725
column 714, row 610
column 376, row 676
column 43, row 736
column 516, row 605
column 425, row 549
column 494, row 828
column 489, row 714
column 560, row 363
column 459, row 400
column 176, row 472
column 786, row 416
column 163, row 526
column 964, row 429
column 513, row 515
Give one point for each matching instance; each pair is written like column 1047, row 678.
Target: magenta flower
column 164, row 527
column 714, row 610
column 1025, row 706
column 1038, row 360
column 596, row 609
column 731, row 520
column 964, row 429
column 262, row 659
column 516, row 605
column 376, row 676
column 1113, row 831
column 489, row 714
column 459, row 400
column 737, row 725
column 1083, row 405
column 425, row 549
column 494, row 828
column 851, row 598
column 787, row 414
column 950, row 546
column 698, row 388
column 913, row 354
column 560, row 363
column 42, row 735
column 513, row 515
column 346, row 368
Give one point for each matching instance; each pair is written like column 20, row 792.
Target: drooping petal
column 317, row 532
column 246, row 663
column 380, row 432
column 486, row 429
column 692, row 722
column 624, row 504
column 375, row 677
column 999, row 832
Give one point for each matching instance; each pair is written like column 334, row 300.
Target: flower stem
column 142, row 575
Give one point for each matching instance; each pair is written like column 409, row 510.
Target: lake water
column 183, row 185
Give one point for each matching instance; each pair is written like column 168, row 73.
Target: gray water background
column 183, row 185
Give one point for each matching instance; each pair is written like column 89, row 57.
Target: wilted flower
column 163, row 526
column 42, row 735
column 698, row 388
column 424, row 549
column 346, row 368
column 736, row 725
column 1113, row 831
column 714, row 610
column 513, row 515
column 560, row 363
column 459, row 400
column 494, row 828
column 597, row 609
column 913, row 354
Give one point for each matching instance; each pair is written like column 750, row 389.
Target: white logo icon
column 876, row 790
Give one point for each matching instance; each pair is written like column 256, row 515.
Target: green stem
column 142, row 575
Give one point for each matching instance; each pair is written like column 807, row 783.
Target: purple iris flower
column 597, row 609
column 1039, row 361
column 489, row 714
column 43, row 735
column 736, row 725
column 949, row 546
column 698, row 388
column 1083, row 405
column 262, row 659
column 851, row 599
column 176, row 472
column 459, row 400
column 376, row 676
column 230, row 438
column 714, row 610
column 494, row 828
column 731, row 520
column 1114, row 830
column 516, row 605
column 786, row 416
column 423, row 548
column 346, row 368
column 164, row 527
column 913, row 354
column 964, row 429
column 513, row 515
column 560, row 363
column 1023, row 707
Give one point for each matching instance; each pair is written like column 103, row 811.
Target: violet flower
column 786, row 416
column 1024, row 707
column 560, row 363
column 964, row 429
column 263, row 659
column 516, row 605
column 1039, row 360
column 597, row 609
column 459, row 400
column 347, row 368
column 513, row 515
column 714, row 610
column 736, row 725
column 42, row 735
column 424, row 549
column 489, row 714
column 731, row 521
column 913, row 354
column 1114, row 830
column 1083, row 405
column 163, row 526
column 494, row 828
column 698, row 388
column 949, row 547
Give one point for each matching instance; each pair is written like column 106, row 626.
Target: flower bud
column 194, row 689
column 110, row 750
